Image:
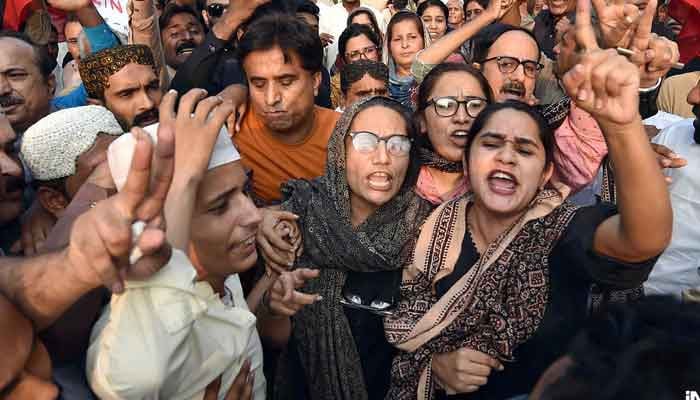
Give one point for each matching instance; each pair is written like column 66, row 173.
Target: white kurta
column 170, row 336
column 677, row 268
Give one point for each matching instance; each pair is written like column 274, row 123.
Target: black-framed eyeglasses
column 367, row 142
column 216, row 10
column 509, row 64
column 365, row 53
column 448, row 106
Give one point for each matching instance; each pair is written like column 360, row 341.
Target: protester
column 456, row 13
column 444, row 126
column 405, row 37
column 27, row 82
column 283, row 135
column 12, row 184
column 125, row 81
column 309, row 12
column 362, row 79
column 472, row 8
column 201, row 323
column 365, row 16
column 354, row 222
column 556, row 18
column 677, row 270
column 673, row 97
column 357, row 42
column 434, row 14
column 213, row 10
column 182, row 31
column 71, row 32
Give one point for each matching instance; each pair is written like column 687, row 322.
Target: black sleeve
column 323, row 99
column 210, row 60
column 575, row 250
column 647, row 103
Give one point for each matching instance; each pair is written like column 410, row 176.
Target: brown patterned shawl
column 497, row 305
column 321, row 331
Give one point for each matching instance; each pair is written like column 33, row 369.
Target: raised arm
column 606, row 85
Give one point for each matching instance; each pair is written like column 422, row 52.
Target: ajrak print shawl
column 324, row 341
column 497, row 305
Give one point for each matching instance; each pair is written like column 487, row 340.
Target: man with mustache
column 11, row 186
column 181, row 31
column 125, row 81
column 283, row 135
column 676, row 272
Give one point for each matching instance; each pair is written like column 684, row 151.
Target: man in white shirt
column 678, row 269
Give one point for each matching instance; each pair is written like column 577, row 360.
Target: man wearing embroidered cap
column 125, row 80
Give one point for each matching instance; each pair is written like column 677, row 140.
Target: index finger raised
column 585, row 36
column 640, row 42
column 136, row 186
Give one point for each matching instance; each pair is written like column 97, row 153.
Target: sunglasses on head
column 216, row 10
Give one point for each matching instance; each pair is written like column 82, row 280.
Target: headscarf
column 321, row 331
column 96, row 68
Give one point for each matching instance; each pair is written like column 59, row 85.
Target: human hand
column 497, row 9
column 70, row 5
column 237, row 95
column 562, row 25
column 464, row 370
column 236, row 14
column 196, row 124
column 101, row 176
column 326, row 39
column 35, row 229
column 668, row 159
column 278, row 247
column 603, row 83
column 284, row 299
column 101, row 239
column 241, row 388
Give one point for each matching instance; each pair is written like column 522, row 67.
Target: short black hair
column 645, row 350
column 489, row 35
column 287, row 32
column 44, row 62
column 546, row 133
column 433, row 3
column 172, row 9
column 355, row 30
column 353, row 72
column 308, row 7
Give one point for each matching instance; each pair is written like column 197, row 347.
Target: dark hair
column 72, row 17
column 172, row 9
column 308, row 7
column 489, row 35
column 353, row 31
column 353, row 72
column 546, row 133
column 645, row 350
column 372, row 20
column 274, row 7
column 402, row 16
column 426, row 87
column 287, row 32
column 44, row 62
column 394, row 105
column 483, row 3
column 433, row 3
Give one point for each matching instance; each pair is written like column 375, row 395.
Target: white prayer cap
column 51, row 147
column 121, row 151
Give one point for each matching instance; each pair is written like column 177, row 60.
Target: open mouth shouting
column 380, row 181
column 185, row 48
column 513, row 91
column 502, row 183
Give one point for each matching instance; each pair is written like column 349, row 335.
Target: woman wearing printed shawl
column 357, row 223
column 499, row 279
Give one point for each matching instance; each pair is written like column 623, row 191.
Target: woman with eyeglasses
column 357, row 42
column 355, row 223
column 449, row 99
column 500, row 279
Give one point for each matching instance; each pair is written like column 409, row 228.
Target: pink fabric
column 580, row 148
column 425, row 188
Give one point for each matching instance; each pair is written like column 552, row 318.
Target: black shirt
column 573, row 267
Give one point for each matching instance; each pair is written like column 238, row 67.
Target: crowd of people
column 296, row 199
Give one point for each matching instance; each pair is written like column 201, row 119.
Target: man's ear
column 52, row 200
column 95, row 102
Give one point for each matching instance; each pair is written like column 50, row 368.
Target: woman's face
column 456, row 16
column 374, row 177
column 436, row 22
column 448, row 135
column 405, row 42
column 360, row 47
column 473, row 10
column 362, row 19
column 507, row 163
